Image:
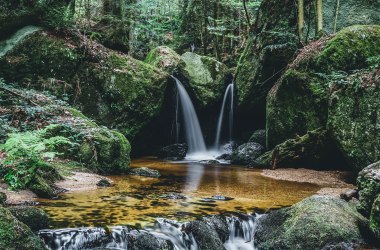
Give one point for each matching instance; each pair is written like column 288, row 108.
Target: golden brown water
column 136, row 200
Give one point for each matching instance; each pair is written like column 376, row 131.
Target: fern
column 27, row 152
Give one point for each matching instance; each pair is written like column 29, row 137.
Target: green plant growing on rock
column 27, row 153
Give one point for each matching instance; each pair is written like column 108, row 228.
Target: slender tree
column 319, row 10
column 301, row 18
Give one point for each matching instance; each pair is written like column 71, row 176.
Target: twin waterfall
column 192, row 128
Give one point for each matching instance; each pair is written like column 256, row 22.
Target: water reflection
column 179, row 194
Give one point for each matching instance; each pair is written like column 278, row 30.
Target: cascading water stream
column 229, row 93
column 10, row 43
column 193, row 132
column 168, row 233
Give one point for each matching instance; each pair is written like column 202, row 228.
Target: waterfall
column 169, row 234
column 10, row 43
column 194, row 136
column 229, row 93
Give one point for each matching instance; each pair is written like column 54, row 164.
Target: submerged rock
column 15, row 235
column 314, row 223
column 35, row 218
column 209, row 162
column 104, row 183
column 247, row 153
column 174, row 196
column 147, row 172
column 369, row 187
column 175, row 151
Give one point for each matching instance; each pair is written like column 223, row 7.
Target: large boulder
column 205, row 76
column 175, row 151
column 205, row 235
column 259, row 136
column 15, row 235
column 369, row 187
column 163, row 58
column 247, row 153
column 354, row 117
column 273, row 43
column 374, row 220
column 35, row 218
column 311, row 94
column 314, row 223
column 115, row 89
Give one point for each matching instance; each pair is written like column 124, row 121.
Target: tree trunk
column 246, row 13
column 301, row 18
column 319, row 10
column 337, row 5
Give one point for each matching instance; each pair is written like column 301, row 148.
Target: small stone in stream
column 175, row 151
column 209, row 162
column 173, row 196
column 3, row 199
column 226, row 157
column 221, row 198
column 350, row 194
column 103, row 183
column 147, row 172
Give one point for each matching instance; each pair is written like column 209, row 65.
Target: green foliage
column 374, row 62
column 26, row 153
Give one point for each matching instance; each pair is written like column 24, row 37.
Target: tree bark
column 246, row 13
column 319, row 10
column 301, row 18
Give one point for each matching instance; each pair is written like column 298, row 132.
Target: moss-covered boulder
column 164, row 58
column 102, row 150
column 115, row 89
column 299, row 101
column 35, row 218
column 15, row 235
column 354, row 117
column 205, row 76
column 247, row 153
column 369, row 187
column 313, row 223
column 374, row 221
column 273, row 43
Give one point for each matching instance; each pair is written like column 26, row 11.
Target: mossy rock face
column 42, row 188
column 369, row 187
column 274, row 42
column 101, row 149
column 354, row 117
column 205, row 235
column 35, row 218
column 313, row 223
column 374, row 221
column 164, row 58
column 205, row 76
column 15, row 235
column 299, row 101
column 112, row 88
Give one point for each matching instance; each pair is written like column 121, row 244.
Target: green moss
column 3, row 199
column 375, row 218
column 164, row 58
column 42, row 188
column 306, row 225
column 369, row 187
column 35, row 218
column 205, row 76
column 15, row 235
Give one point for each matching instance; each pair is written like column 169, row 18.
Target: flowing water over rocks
column 231, row 232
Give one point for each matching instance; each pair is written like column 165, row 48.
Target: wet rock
column 173, row 196
column 35, row 218
column 3, row 199
column 350, row 194
column 209, row 162
column 219, row 225
column 140, row 240
column 309, row 221
column 247, row 153
column 369, row 187
column 206, row 237
column 147, row 172
column 342, row 246
column 259, row 136
column 225, row 156
column 104, row 183
column 175, row 151
column 221, row 198
column 16, row 235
